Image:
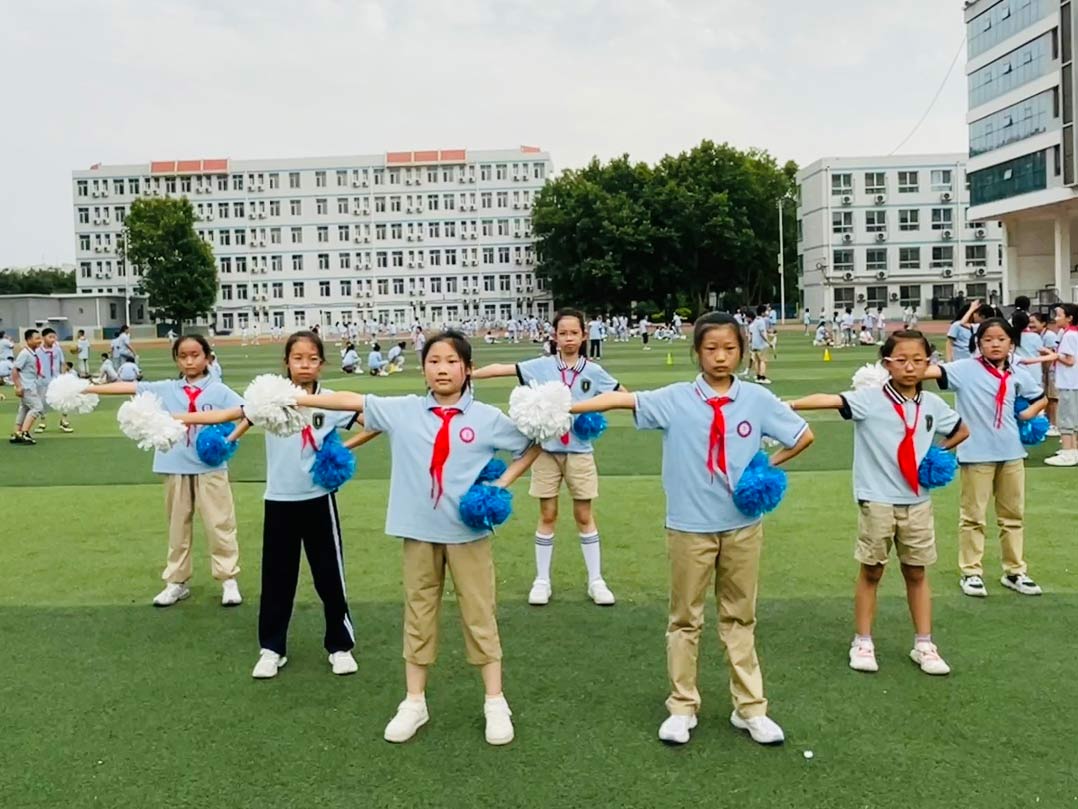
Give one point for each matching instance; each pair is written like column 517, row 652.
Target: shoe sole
column 409, row 738
column 1020, row 591
column 602, row 603
column 740, row 724
column 499, row 742
column 865, row 671
column 231, row 603
column 183, row 597
column 917, row 663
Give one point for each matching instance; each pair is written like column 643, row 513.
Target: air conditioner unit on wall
column 881, row 275
column 847, row 276
column 847, row 238
column 981, row 272
column 881, row 236
column 980, row 233
column 947, row 272
column 946, row 196
column 847, row 199
column 881, row 198
column 947, row 235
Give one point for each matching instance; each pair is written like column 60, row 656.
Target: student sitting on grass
column 107, row 372
column 350, row 360
column 129, row 371
column 396, row 358
column 376, row 364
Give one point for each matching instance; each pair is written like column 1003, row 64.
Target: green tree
column 42, row 281
column 177, row 268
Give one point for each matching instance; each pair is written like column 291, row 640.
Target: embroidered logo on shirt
column 467, row 435
column 744, row 429
column 318, row 420
column 929, row 421
column 585, row 385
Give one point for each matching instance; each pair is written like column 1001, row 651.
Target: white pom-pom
column 65, row 394
column 871, row 376
column 270, row 402
column 144, row 419
column 541, row 412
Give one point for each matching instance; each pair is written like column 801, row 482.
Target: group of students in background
column 845, row 329
column 714, row 427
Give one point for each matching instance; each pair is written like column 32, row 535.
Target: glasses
column 915, row 362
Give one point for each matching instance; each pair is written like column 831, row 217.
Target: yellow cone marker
column 669, row 357
column 827, row 355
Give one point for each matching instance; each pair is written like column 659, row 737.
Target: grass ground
column 105, row 701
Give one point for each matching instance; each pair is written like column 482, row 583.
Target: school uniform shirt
column 7, row 349
column 1048, row 337
column 584, row 379
column 374, row 359
column 882, row 472
column 108, row 371
column 350, row 359
column 395, row 352
column 128, row 372
column 699, row 493
column 179, row 396
column 424, row 504
column 6, row 364
column 595, row 330
column 83, row 347
column 758, row 333
column 28, row 364
column 289, row 458
column 993, row 429
column 1030, row 346
column 215, row 370
column 52, row 363
column 1067, row 376
column 959, row 336
column 847, row 321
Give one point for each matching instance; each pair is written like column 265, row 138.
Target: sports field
column 108, row 702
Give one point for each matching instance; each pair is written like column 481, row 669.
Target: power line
column 935, row 98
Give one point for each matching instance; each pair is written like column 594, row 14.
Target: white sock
column 544, row 551
column 589, row 546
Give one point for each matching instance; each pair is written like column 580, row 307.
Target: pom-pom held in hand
column 1031, row 432
column 144, row 419
column 334, row 464
column 270, row 402
column 65, row 395
column 589, row 426
column 494, row 469
column 483, row 506
column 213, row 446
column 760, row 488
column 937, row 469
column 541, row 412
column 871, row 376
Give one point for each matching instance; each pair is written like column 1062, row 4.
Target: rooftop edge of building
column 883, row 162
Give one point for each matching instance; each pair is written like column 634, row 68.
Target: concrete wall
column 66, row 313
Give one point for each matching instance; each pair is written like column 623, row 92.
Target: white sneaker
column 1021, row 583
column 1066, row 457
column 973, row 586
column 499, row 725
column 760, row 728
column 863, row 656
column 411, row 716
column 268, row 664
column 171, row 594
column 600, row 593
column 1053, row 432
column 343, row 663
column 676, row 728
column 928, row 658
column 539, row 596
column 230, row 594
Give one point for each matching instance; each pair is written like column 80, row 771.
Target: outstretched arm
column 342, row 400
column 615, row 400
column 113, row 389
column 359, row 439
column 818, row 401
column 519, row 466
column 222, row 416
column 494, row 371
column 786, row 453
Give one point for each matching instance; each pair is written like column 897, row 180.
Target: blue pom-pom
column 213, row 446
column 334, row 464
column 483, row 507
column 589, row 426
column 937, row 468
column 760, row 488
column 1031, row 432
column 494, row 469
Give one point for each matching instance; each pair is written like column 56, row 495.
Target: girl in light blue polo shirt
column 712, row 429
column 190, row 485
column 439, row 445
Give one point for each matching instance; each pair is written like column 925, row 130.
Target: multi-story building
column 1022, row 163
column 893, row 232
column 431, row 236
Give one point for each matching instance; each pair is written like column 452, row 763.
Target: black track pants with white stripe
column 315, row 525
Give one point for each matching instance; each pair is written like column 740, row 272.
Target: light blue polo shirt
column 588, row 379
column 1050, row 340
column 289, row 459
column 878, row 432
column 697, row 501
column 975, row 399
column 52, row 363
column 758, row 332
column 595, row 330
column 26, row 364
column 475, row 435
column 183, row 459
column 960, row 336
column 1030, row 346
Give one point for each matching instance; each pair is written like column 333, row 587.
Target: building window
column 293, row 179
column 942, row 257
column 383, row 286
column 84, row 216
column 297, row 261
column 876, row 297
column 909, row 219
column 226, row 264
column 323, row 289
column 297, row 289
column 909, row 258
column 1001, row 21
column 843, row 260
column 942, row 218
column 296, row 235
column 875, row 260
column 398, row 286
column 941, row 180
column 346, row 288
column 1019, row 176
column 875, row 182
column 977, row 255
column 295, row 207
column 841, row 184
column 1020, row 66
column 876, row 221
column 323, row 261
column 275, row 263
column 842, row 221
column 344, row 261
column 320, row 179
column 908, row 182
column 226, row 292
column 278, row 287
column 909, row 295
column 323, row 233
column 844, row 296
column 978, row 292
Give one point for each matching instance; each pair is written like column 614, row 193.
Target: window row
column 411, row 259
column 361, row 234
column 908, row 295
column 908, row 219
column 1022, row 65
column 913, row 258
column 908, row 182
column 361, row 206
column 413, row 287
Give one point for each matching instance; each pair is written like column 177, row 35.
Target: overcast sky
column 129, row 81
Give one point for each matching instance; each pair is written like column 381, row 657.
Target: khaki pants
column 211, row 495
column 733, row 558
column 472, row 567
column 1007, row 481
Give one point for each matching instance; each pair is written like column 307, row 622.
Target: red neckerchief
column 907, row 452
column 440, row 453
column 192, row 396
column 716, row 439
column 1001, row 393
column 37, row 364
column 572, row 381
column 52, row 360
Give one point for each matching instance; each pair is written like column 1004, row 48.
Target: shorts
column 577, row 469
column 1067, row 414
column 29, row 404
column 763, row 354
column 910, row 529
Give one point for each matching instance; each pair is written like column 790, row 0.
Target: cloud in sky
column 127, row 81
